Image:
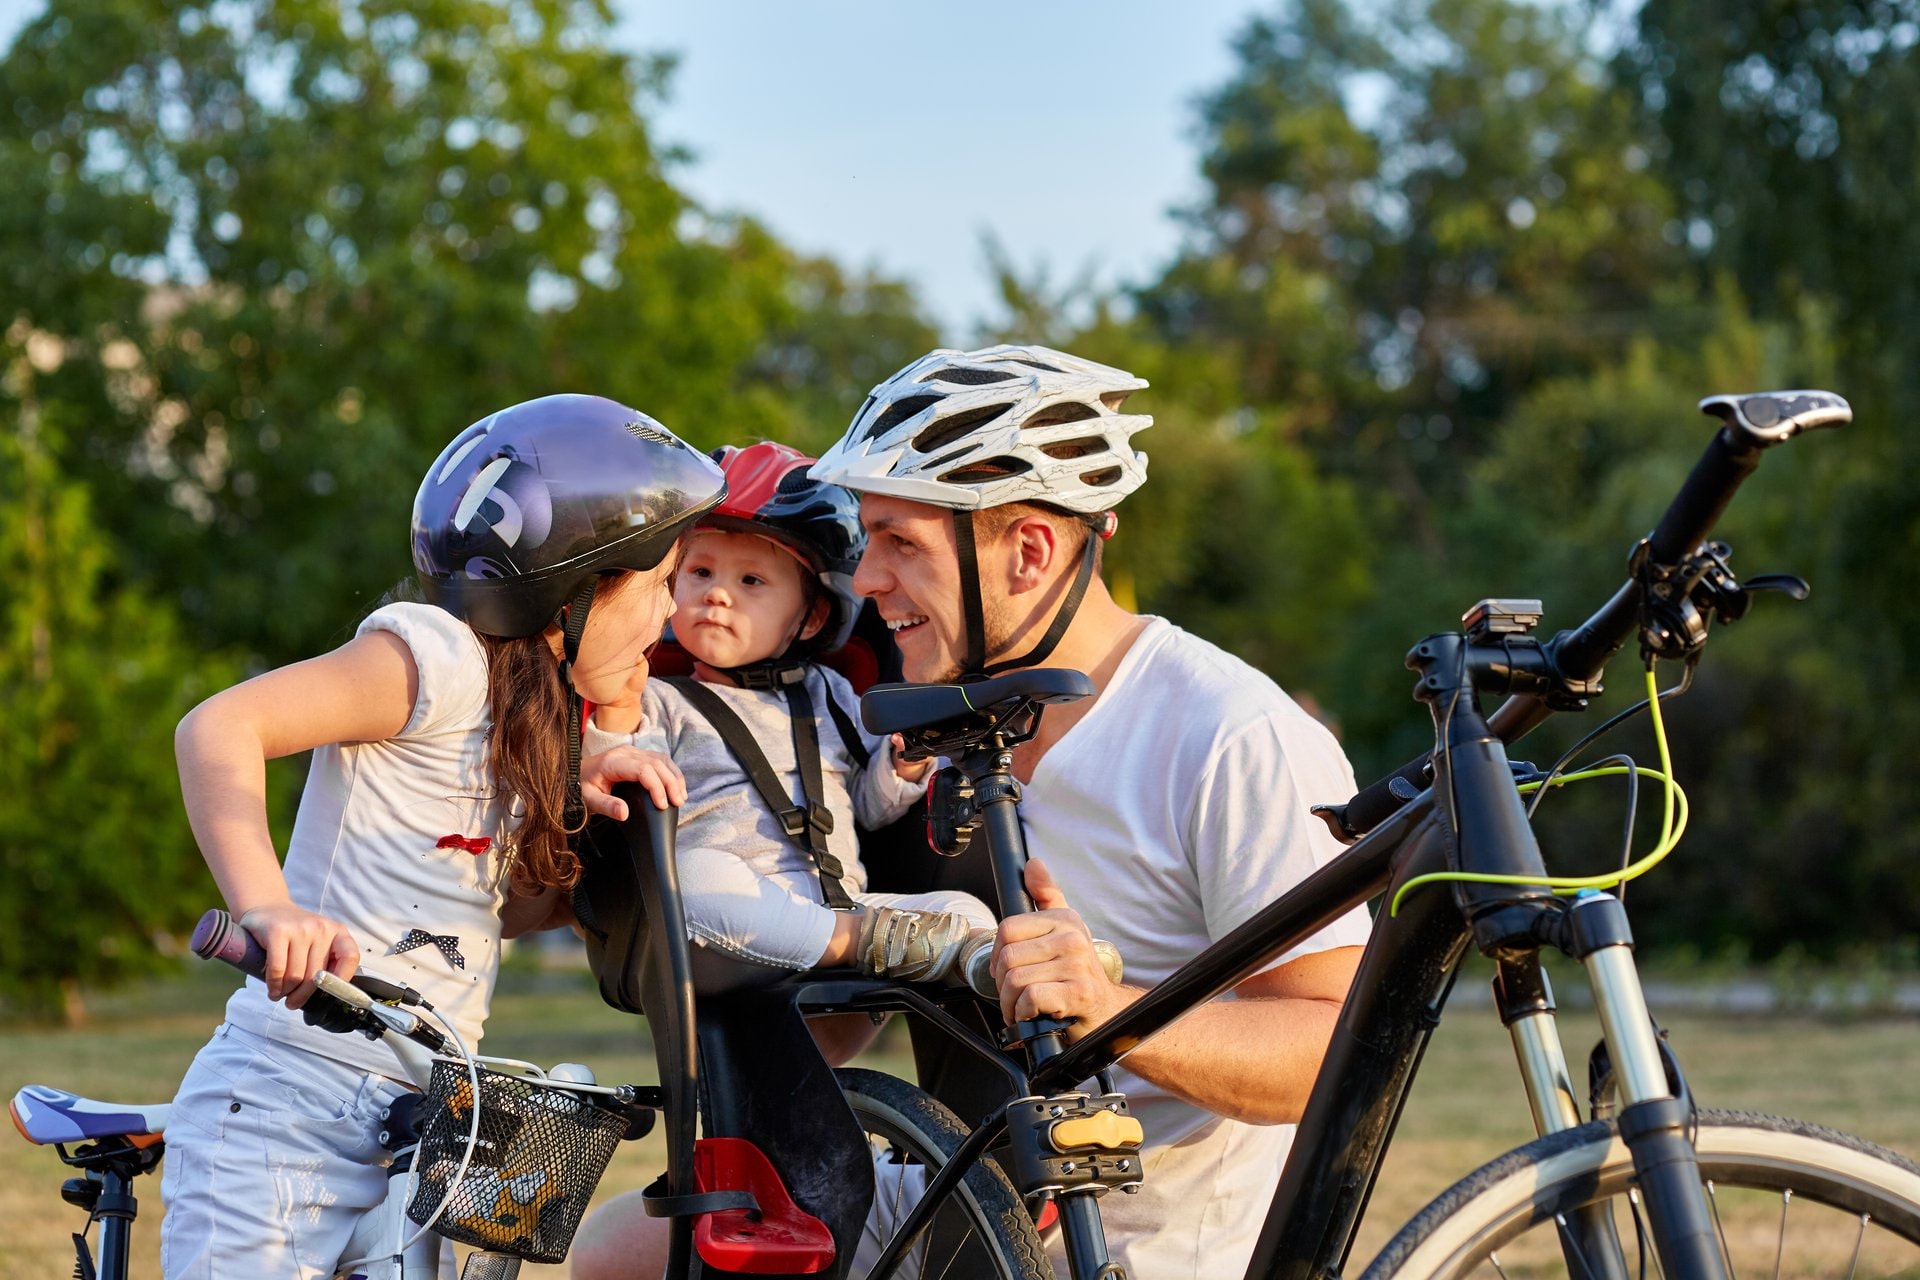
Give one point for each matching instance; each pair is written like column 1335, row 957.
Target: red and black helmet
column 526, row 506
column 770, row 494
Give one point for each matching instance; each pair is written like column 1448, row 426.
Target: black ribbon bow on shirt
column 448, row 944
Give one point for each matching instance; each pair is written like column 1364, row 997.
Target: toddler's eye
column 752, row 580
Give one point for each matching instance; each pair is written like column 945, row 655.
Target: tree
column 294, row 247
column 97, row 862
column 271, row 257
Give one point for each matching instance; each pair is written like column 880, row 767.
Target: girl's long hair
column 527, row 755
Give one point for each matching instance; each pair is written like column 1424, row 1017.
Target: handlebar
column 367, row 1003
column 1751, row 425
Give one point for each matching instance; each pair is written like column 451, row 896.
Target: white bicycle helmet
column 968, row 430
column 976, row 429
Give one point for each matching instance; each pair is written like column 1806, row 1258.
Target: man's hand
column 656, row 772
column 1046, row 966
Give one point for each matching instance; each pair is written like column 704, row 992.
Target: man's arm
column 1252, row 1058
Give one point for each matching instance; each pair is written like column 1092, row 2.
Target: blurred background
column 1426, row 293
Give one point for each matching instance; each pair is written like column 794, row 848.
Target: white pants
column 273, row 1154
column 774, row 922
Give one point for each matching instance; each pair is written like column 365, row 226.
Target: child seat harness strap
column 807, row 827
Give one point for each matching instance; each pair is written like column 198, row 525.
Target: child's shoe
column 913, row 946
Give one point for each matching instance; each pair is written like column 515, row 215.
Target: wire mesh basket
column 539, row 1154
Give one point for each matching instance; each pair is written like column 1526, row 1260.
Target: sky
column 898, row 134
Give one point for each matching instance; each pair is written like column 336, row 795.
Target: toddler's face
column 740, row 599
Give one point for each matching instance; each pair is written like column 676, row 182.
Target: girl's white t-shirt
column 1175, row 809
column 406, row 844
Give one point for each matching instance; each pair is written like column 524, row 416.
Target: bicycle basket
column 539, row 1155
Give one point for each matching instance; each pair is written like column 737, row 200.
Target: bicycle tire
column 988, row 1232
column 1788, row 1161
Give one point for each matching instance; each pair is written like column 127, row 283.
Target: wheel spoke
column 1853, row 1264
column 1494, row 1258
column 1570, row 1245
column 1643, row 1237
column 1780, row 1243
column 1719, row 1229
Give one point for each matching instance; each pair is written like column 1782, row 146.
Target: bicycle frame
column 1408, row 967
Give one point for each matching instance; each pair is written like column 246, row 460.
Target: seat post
column 116, row 1209
column 996, row 796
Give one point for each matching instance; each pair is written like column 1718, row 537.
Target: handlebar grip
column 1380, row 799
column 219, row 937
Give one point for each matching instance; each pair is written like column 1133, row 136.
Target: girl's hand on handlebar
column 661, row 777
column 299, row 944
column 1046, row 965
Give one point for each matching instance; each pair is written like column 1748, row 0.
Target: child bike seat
column 45, row 1116
column 900, row 708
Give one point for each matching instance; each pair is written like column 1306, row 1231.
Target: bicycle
column 493, row 1152
column 1447, row 839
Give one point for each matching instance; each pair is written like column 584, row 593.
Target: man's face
column 912, row 572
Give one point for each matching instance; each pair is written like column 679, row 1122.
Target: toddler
column 777, row 774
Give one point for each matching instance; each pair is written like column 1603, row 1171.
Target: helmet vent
column 898, row 412
column 1114, row 399
column 1055, row 414
column 651, row 434
column 969, row 377
column 1100, row 479
column 948, row 430
column 1068, row 450
column 1035, row 364
column 795, row 481
column 992, row 469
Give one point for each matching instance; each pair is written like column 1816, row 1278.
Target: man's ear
column 817, row 616
column 1033, row 549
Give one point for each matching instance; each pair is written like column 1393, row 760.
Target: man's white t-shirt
column 406, row 843
column 1172, row 811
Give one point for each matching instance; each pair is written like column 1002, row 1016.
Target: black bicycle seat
column 901, row 708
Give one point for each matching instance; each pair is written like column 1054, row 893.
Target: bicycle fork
column 1652, row 1121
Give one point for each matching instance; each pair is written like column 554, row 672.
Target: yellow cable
column 1673, row 825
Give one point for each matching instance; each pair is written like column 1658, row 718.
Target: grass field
column 1860, row 1076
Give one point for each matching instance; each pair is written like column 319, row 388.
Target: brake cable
column 1673, row 823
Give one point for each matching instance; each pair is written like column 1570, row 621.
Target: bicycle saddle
column 899, row 708
column 45, row 1116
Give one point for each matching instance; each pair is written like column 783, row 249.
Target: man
column 1168, row 808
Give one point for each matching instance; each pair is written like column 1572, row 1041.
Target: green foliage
column 271, row 256
column 95, row 857
column 311, row 242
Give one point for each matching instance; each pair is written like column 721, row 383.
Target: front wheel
column 983, row 1231
column 1788, row 1199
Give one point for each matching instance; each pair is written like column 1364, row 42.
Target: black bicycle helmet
column 528, row 505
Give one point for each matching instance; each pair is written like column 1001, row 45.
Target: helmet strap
column 977, row 667
column 970, row 594
column 576, row 625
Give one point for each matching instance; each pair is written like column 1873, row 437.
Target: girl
column 435, row 816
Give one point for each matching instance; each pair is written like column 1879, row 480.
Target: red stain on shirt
column 475, row 845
